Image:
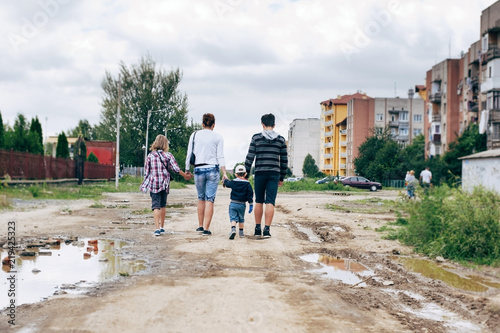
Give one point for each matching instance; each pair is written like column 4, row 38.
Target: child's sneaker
column 207, row 233
column 200, row 229
column 232, row 234
column 242, row 234
column 157, row 233
column 162, row 231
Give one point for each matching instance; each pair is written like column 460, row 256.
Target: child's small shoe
column 232, row 234
column 242, row 234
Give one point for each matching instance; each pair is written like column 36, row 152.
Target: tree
column 468, row 143
column 144, row 88
column 2, row 132
column 378, row 157
column 309, row 168
column 19, row 136
column 62, row 149
column 92, row 158
column 35, row 137
column 84, row 128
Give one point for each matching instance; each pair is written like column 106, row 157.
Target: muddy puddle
column 65, row 267
column 347, row 271
column 438, row 272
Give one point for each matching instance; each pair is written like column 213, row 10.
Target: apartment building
column 303, row 138
column 489, row 69
column 403, row 116
column 333, row 147
column 442, row 121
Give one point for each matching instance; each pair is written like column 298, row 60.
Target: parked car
column 361, row 182
column 329, row 179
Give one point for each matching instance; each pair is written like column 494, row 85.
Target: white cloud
column 240, row 59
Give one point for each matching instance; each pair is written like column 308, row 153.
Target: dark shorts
column 158, row 200
column 266, row 187
column 237, row 212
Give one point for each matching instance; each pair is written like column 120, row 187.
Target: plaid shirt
column 157, row 177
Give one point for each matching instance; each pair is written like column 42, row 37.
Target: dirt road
column 195, row 283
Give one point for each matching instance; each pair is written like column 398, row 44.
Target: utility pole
column 117, row 168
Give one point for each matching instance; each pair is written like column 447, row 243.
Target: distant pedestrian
column 426, row 178
column 411, row 182
column 208, row 148
column 268, row 149
column 241, row 192
column 157, row 179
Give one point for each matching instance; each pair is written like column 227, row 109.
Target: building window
column 380, row 117
column 403, row 131
column 417, row 118
column 403, row 116
column 417, row 131
column 437, row 129
column 378, row 130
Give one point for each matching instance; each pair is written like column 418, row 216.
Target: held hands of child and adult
column 187, row 175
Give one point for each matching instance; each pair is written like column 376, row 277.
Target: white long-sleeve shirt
column 208, row 148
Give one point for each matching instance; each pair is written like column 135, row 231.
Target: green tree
column 62, row 149
column 2, row 132
column 84, row 128
column 378, row 157
column 92, row 158
column 17, row 138
column 144, row 88
column 309, row 168
column 468, row 143
column 35, row 137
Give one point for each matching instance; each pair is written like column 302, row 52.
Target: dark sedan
column 361, row 182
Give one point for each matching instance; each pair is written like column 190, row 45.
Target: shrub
column 92, row 158
column 454, row 224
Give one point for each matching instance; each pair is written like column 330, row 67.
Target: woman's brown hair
column 208, row 120
column 160, row 143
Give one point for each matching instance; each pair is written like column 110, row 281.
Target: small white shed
column 481, row 169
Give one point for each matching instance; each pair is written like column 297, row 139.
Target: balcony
column 328, row 166
column 342, row 166
column 343, row 155
column 402, row 137
column 328, row 144
column 472, row 106
column 436, row 138
column 435, row 98
column 328, row 112
column 394, row 111
column 394, row 123
column 492, row 53
column 330, row 133
column 495, row 115
column 436, row 118
column 343, row 132
column 343, row 143
column 329, row 123
column 328, row 156
column 403, row 122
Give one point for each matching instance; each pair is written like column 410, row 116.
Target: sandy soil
column 212, row 284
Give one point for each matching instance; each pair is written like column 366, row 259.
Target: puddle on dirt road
column 313, row 238
column 432, row 311
column 346, row 270
column 432, row 270
column 70, row 267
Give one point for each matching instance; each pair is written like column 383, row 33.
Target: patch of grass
column 143, row 211
column 97, row 204
column 390, row 236
column 454, row 224
column 384, row 228
column 340, row 208
column 310, row 185
column 124, row 274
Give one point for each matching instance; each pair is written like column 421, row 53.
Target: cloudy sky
column 240, row 58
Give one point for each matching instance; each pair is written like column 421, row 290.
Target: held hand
column 250, row 209
column 280, row 183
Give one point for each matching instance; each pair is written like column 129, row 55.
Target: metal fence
column 30, row 166
column 133, row 171
column 398, row 183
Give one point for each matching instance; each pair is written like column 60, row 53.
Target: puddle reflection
column 70, row 263
column 346, row 270
column 432, row 270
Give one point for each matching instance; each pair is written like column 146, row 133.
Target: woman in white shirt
column 208, row 149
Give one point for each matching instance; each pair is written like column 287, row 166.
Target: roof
column 419, row 88
column 344, row 99
column 484, row 154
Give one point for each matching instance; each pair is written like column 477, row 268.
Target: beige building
column 303, row 139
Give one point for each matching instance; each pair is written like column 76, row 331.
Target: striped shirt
column 270, row 155
column 157, row 177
